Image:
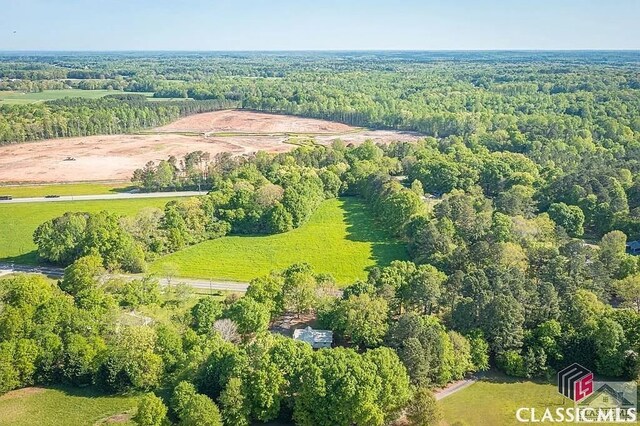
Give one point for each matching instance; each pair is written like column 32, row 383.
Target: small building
column 633, row 247
column 608, row 399
column 316, row 338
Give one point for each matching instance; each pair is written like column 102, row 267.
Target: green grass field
column 18, row 221
column 341, row 238
column 494, row 401
column 27, row 191
column 20, row 98
column 64, row 407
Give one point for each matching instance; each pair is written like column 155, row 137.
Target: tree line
column 70, row 117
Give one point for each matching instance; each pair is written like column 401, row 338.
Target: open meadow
column 18, row 221
column 341, row 238
column 488, row 403
column 65, row 407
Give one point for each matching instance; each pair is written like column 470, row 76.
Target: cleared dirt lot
column 112, row 157
column 252, row 122
column 115, row 157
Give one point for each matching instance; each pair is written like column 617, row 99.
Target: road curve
column 121, row 196
column 238, row 287
column 458, row 386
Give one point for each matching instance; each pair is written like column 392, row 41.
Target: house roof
column 633, row 245
column 312, row 336
column 606, row 389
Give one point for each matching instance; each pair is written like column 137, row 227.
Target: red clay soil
column 115, row 157
column 252, row 122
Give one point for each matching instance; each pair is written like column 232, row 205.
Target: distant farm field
column 29, row 191
column 18, row 221
column 341, row 238
column 13, row 98
column 64, row 407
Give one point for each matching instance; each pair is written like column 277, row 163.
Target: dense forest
column 515, row 209
column 112, row 114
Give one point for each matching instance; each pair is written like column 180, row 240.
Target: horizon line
column 528, row 50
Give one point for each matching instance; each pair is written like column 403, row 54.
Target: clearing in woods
column 115, row 157
column 252, row 122
column 341, row 238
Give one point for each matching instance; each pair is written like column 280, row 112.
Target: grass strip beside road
column 63, row 189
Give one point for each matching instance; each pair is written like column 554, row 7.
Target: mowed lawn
column 18, row 221
column 64, row 407
column 495, row 402
column 89, row 188
column 341, row 238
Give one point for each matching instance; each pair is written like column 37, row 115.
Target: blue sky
column 318, row 24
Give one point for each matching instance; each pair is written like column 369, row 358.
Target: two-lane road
column 121, row 196
column 50, row 271
column 239, row 287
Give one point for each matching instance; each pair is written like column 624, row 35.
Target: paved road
column 121, row 196
column 455, row 387
column 54, row 272
column 10, row 268
column 238, row 287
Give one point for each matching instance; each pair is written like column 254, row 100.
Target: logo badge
column 575, row 382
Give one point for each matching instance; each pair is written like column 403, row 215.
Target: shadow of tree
column 124, row 189
column 29, row 258
column 361, row 226
column 87, row 391
column 496, row 376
